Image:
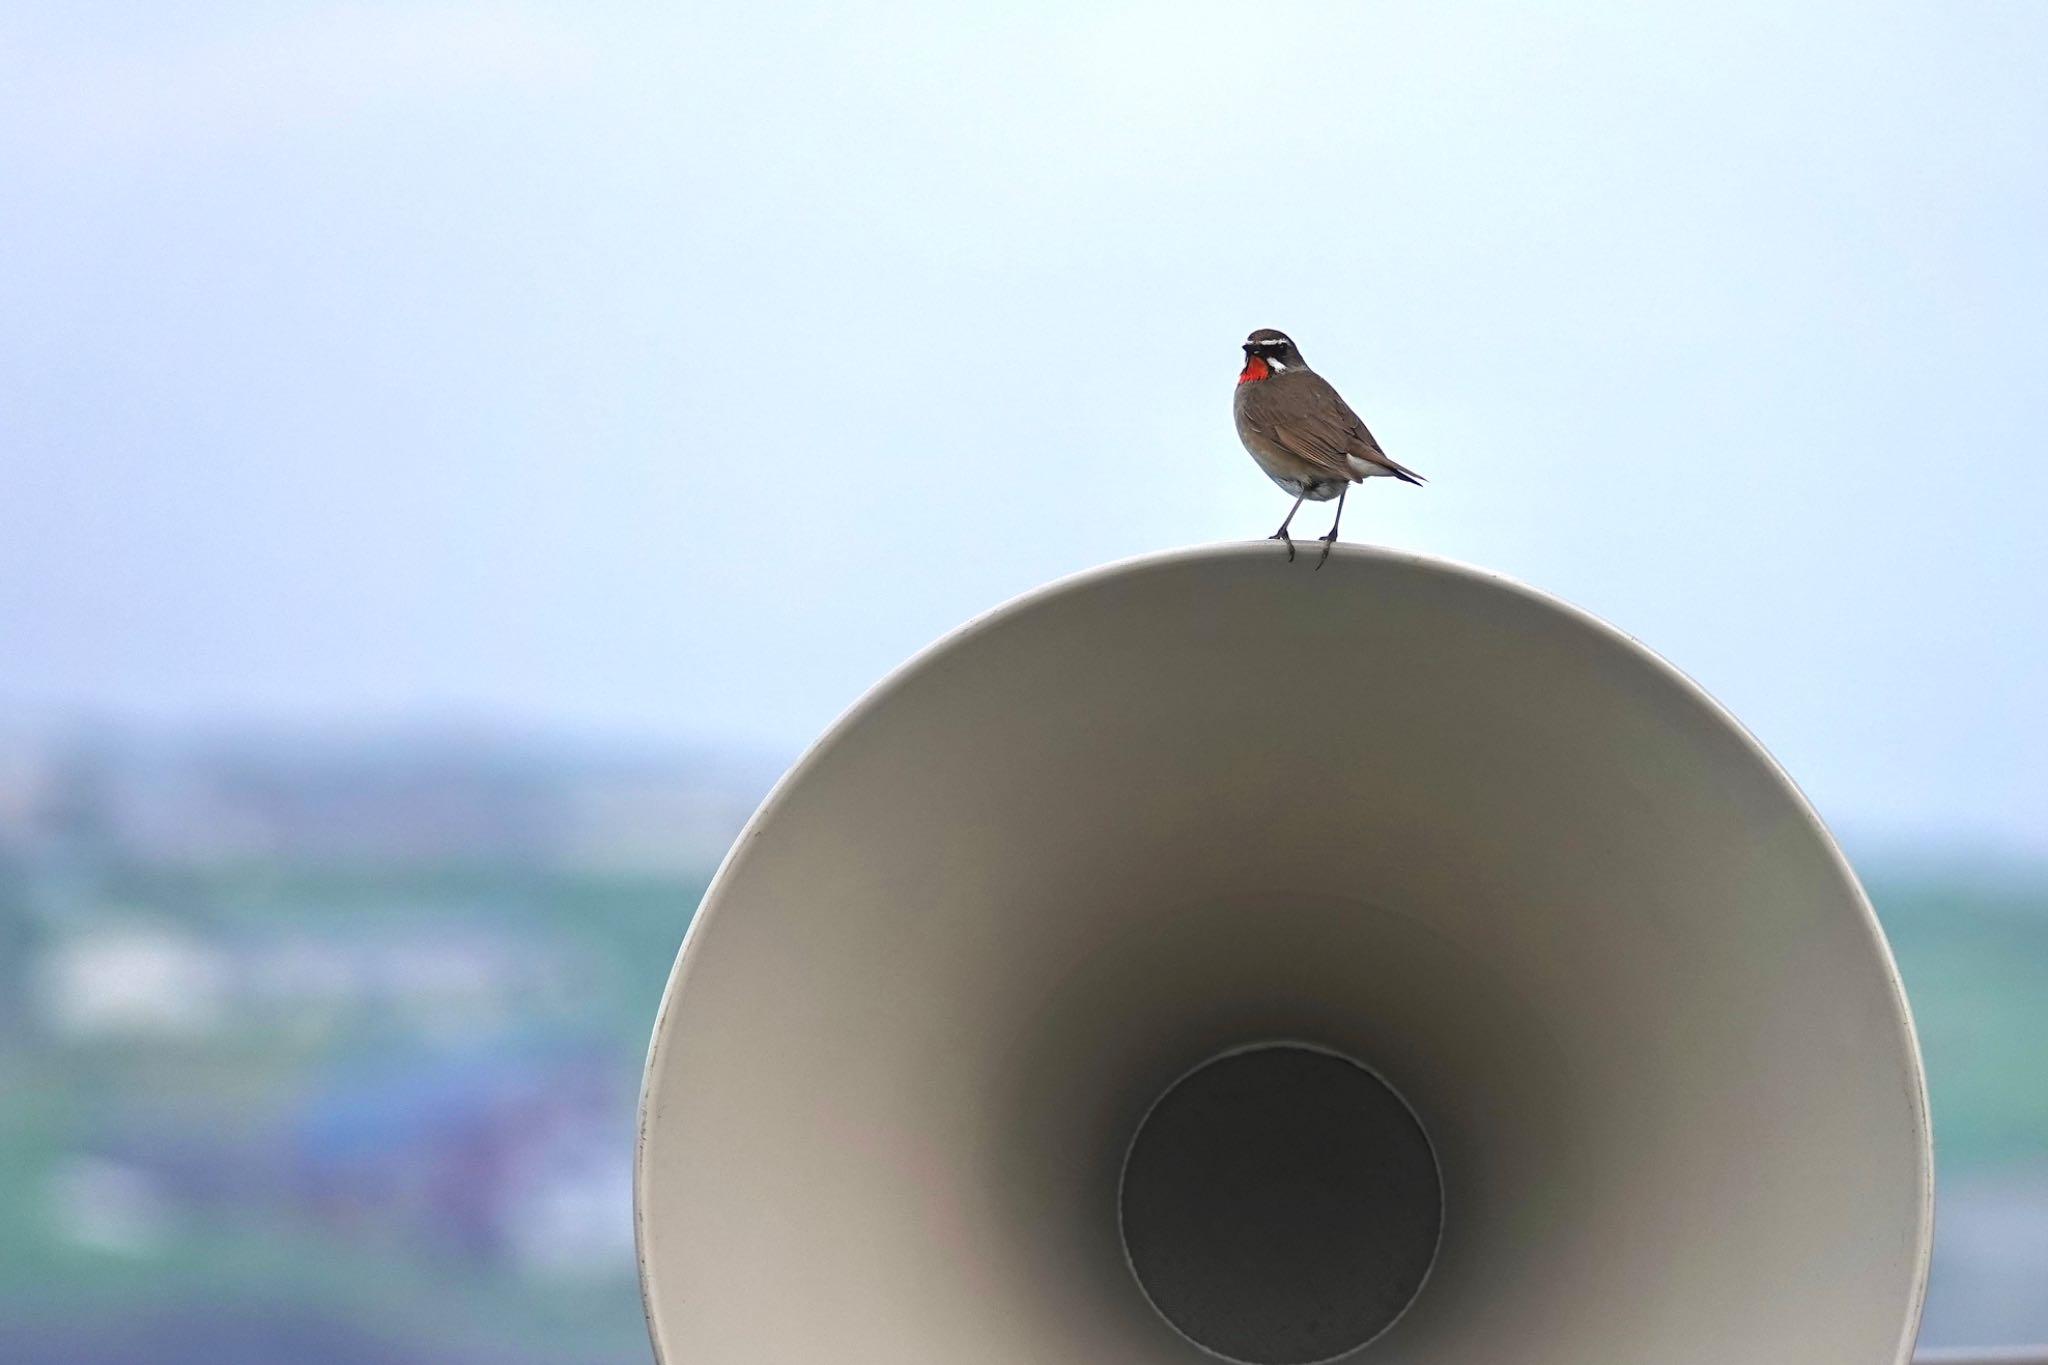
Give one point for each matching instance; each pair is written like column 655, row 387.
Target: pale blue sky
column 680, row 369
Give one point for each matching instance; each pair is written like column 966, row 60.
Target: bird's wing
column 1309, row 440
column 1335, row 427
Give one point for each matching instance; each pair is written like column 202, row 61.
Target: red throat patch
column 1254, row 368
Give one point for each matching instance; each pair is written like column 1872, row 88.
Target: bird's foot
column 1328, row 541
column 1281, row 534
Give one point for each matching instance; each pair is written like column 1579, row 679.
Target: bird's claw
column 1328, row 541
column 1282, row 535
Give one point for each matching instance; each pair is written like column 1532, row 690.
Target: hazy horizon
column 1890, row 855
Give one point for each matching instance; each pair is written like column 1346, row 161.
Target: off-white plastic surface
column 1400, row 808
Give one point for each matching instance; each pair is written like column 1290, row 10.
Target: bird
column 1303, row 433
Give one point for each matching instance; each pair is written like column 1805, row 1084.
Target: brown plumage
column 1303, row 433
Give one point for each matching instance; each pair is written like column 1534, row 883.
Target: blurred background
column 453, row 456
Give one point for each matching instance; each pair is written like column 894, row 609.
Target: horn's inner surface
column 1280, row 1205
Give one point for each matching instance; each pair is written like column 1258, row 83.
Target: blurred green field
column 1975, row 962
column 260, row 1278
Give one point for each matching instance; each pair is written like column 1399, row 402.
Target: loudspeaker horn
column 1214, row 957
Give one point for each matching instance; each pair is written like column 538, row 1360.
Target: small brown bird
column 1302, row 433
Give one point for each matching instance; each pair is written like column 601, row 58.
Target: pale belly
column 1315, row 490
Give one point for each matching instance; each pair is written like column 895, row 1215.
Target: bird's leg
column 1331, row 539
column 1281, row 534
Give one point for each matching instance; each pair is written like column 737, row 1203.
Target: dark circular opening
column 1280, row 1205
